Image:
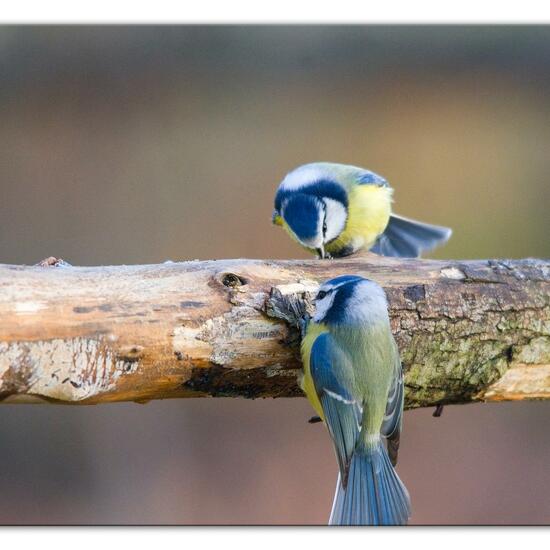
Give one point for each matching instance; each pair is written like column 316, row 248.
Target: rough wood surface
column 467, row 330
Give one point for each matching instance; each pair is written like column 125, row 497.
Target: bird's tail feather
column 374, row 494
column 408, row 238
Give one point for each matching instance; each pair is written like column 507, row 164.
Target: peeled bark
column 467, row 330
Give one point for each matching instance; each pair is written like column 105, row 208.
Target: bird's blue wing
column 366, row 177
column 406, row 238
column 329, row 365
column 393, row 417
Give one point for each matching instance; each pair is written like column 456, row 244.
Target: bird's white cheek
column 322, row 307
column 336, row 216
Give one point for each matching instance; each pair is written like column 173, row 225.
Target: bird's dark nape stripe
column 319, row 189
column 328, row 189
column 345, row 279
column 336, row 313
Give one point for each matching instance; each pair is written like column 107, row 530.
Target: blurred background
column 123, row 145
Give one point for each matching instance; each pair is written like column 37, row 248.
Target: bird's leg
column 438, row 410
column 322, row 254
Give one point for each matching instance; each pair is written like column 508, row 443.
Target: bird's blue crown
column 344, row 279
column 345, row 286
column 350, row 299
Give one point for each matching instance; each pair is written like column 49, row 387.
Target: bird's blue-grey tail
column 409, row 238
column 374, row 494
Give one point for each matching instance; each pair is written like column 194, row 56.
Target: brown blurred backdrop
column 142, row 144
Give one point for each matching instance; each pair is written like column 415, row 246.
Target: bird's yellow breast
column 306, row 382
column 369, row 210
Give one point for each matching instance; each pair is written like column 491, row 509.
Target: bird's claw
column 324, row 256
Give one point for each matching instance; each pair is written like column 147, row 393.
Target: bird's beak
column 276, row 218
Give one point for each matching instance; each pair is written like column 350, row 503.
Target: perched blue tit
column 354, row 380
column 335, row 210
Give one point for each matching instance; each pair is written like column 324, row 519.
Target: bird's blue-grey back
column 361, row 393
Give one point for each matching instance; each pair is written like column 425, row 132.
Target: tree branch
column 467, row 330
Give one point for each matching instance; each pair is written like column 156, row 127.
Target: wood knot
column 130, row 354
column 232, row 280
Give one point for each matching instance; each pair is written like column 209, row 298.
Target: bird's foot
column 315, row 420
column 438, row 411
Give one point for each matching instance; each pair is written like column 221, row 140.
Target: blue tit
column 354, row 380
column 335, row 210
